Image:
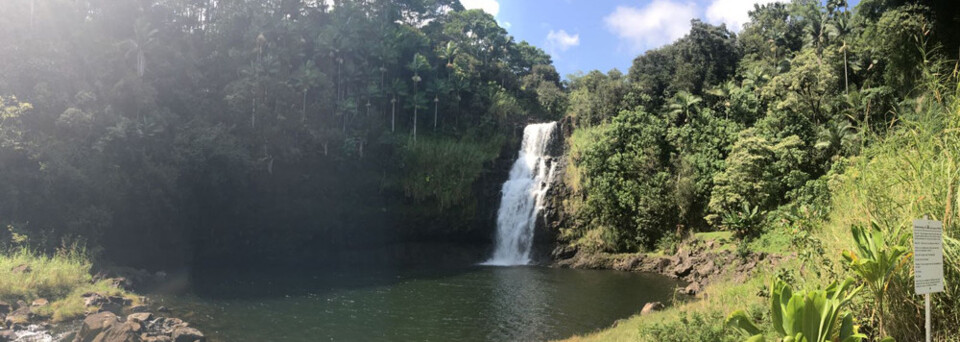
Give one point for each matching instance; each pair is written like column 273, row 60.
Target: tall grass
column 61, row 278
column 912, row 172
column 49, row 277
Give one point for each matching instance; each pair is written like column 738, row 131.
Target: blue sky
column 605, row 34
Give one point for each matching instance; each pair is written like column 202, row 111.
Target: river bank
column 698, row 261
column 718, row 276
column 58, row 298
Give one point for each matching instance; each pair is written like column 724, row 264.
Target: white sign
column 928, row 256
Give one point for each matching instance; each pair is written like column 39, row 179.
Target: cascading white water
column 522, row 198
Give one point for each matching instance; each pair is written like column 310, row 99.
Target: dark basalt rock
column 96, row 326
column 137, row 327
column 187, row 334
column 21, row 315
column 563, row 252
column 691, row 290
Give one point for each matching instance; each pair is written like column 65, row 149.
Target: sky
column 604, row 34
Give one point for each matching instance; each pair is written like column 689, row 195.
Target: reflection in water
column 472, row 304
column 518, row 301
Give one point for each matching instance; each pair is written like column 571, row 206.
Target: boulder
column 121, row 283
column 707, row 268
column 113, row 304
column 651, row 307
column 683, row 268
column 5, row 308
column 107, row 327
column 95, row 325
column 126, row 332
column 693, row 289
column 140, row 317
column 563, row 252
column 187, row 334
column 21, row 315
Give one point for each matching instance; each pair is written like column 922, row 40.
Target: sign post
column 927, row 261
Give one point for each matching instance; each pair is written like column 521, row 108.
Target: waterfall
column 522, row 197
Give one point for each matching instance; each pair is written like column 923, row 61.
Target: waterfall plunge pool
column 473, row 303
column 476, row 303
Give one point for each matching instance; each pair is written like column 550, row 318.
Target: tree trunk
column 435, row 104
column 846, row 82
column 303, row 111
column 393, row 115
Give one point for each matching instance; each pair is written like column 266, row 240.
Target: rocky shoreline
column 696, row 262
column 109, row 318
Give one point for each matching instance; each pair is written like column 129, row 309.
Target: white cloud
column 733, row 12
column 489, row 6
column 561, row 40
column 658, row 23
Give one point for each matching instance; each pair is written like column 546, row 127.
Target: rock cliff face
column 551, row 216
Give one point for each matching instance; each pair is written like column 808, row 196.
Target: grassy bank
column 61, row 279
column 702, row 319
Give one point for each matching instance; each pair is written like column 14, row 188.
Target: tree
column 397, row 90
column 144, row 37
column 438, row 88
column 683, row 106
column 307, row 77
column 418, row 63
column 629, row 181
column 759, row 172
column 838, row 137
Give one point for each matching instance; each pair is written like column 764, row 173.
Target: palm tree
column 458, row 85
column 838, row 138
column 448, row 53
column 143, row 38
column 437, row 88
column 397, row 89
column 684, row 105
column 306, row 78
column 723, row 93
column 840, row 27
column 755, row 78
column 419, row 63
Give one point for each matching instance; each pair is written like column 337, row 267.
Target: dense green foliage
column 157, row 131
column 815, row 118
column 716, row 130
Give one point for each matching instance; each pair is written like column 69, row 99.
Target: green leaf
column 739, row 320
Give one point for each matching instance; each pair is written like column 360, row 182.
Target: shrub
column 811, row 316
column 693, row 326
column 875, row 261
